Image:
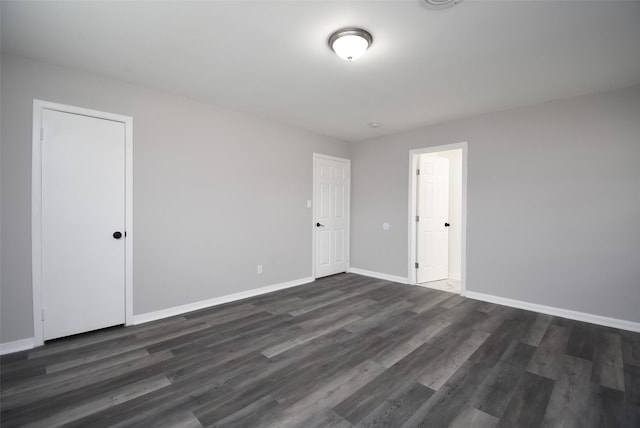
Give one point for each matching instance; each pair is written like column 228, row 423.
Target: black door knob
column 446, row 225
column 319, row 225
column 117, row 235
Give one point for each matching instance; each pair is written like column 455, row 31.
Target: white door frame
column 413, row 165
column 313, row 215
column 36, row 207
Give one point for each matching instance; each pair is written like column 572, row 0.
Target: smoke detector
column 441, row 4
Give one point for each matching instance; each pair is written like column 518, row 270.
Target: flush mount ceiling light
column 441, row 4
column 350, row 43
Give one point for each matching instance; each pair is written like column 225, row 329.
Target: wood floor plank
column 630, row 348
column 308, row 305
column 549, row 356
column 569, row 402
column 370, row 322
column 100, row 402
column 205, row 331
column 174, row 419
column 452, row 301
column 607, row 408
column 119, row 379
column 497, row 343
column 342, row 351
column 528, row 403
column 582, row 341
column 330, row 393
column 537, row 330
column 95, row 339
column 259, row 413
column 287, row 371
column 70, row 380
column 403, row 349
column 308, row 336
column 632, row 384
column 472, row 417
column 495, row 392
column 320, row 419
column 329, row 383
column 608, row 368
column 455, row 352
column 400, row 331
column 494, row 318
column 16, row 372
column 177, row 398
column 394, row 411
column 446, row 404
column 432, row 300
column 370, row 396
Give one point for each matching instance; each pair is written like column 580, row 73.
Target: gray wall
column 553, row 202
column 215, row 192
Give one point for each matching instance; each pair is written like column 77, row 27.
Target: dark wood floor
column 343, row 351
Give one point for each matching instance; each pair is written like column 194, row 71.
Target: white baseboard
column 177, row 310
column 455, row 276
column 393, row 278
column 16, row 346
column 559, row 312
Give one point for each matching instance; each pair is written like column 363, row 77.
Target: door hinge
column 42, row 314
column 418, row 171
column 417, row 218
column 41, row 134
column 417, row 265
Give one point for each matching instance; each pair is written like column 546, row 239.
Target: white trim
column 16, row 346
column 455, row 276
column 558, row 312
column 36, row 207
column 177, row 310
column 313, row 207
column 372, row 274
column 413, row 165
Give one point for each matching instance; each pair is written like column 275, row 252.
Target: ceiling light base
column 441, row 4
column 350, row 43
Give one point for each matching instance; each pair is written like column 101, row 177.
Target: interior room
column 311, row 213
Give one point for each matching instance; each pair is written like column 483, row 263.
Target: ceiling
column 271, row 59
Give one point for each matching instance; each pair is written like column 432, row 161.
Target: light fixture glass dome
column 350, row 43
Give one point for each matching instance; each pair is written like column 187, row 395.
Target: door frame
column 313, row 212
column 36, row 207
column 413, row 188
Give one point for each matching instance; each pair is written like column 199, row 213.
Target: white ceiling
column 271, row 58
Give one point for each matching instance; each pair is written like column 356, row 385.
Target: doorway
column 331, row 213
column 81, row 220
column 437, row 217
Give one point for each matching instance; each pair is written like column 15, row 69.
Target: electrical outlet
column 259, row 269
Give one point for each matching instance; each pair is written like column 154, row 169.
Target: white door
column 433, row 212
column 83, row 206
column 331, row 219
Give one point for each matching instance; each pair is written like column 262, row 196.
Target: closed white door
column 331, row 215
column 433, row 212
column 83, row 220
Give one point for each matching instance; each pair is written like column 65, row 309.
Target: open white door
column 331, row 214
column 83, row 223
column 432, row 223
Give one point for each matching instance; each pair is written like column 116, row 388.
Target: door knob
column 117, row 235
column 319, row 225
column 446, row 225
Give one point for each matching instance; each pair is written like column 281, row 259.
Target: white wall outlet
column 309, row 204
column 259, row 269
